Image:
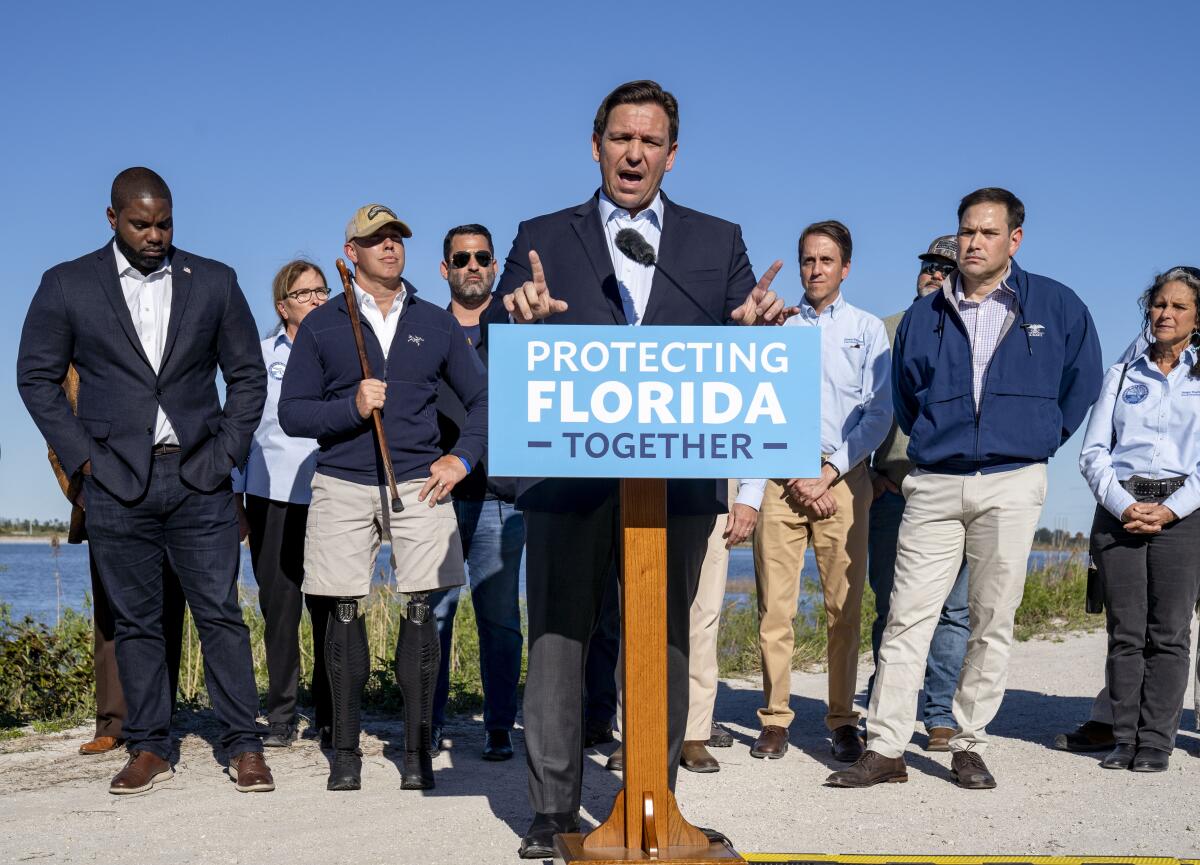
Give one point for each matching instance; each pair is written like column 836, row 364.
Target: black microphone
column 636, row 248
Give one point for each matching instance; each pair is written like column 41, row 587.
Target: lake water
column 36, row 582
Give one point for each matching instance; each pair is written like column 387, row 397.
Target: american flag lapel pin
column 187, row 269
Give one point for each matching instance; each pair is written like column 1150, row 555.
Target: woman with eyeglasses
column 276, row 484
column 1140, row 456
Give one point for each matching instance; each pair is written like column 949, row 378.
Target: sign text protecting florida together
column 653, row 402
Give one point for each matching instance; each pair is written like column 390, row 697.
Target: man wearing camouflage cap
column 888, row 468
column 412, row 346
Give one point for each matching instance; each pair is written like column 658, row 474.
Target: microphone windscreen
column 633, row 246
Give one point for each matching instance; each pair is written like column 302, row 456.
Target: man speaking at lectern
column 565, row 268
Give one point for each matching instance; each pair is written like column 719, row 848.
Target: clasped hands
column 532, row 301
column 811, row 495
column 1147, row 518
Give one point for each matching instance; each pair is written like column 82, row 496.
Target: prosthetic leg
column 348, row 661
column 418, row 653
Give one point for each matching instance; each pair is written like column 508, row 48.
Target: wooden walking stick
column 380, row 438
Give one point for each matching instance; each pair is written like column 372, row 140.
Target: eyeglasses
column 937, row 267
column 303, row 295
column 461, row 259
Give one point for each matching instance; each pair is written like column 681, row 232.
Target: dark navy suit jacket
column 704, row 253
column 79, row 316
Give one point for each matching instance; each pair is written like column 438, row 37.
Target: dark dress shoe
column 1091, row 736
column 280, row 736
column 772, row 743
column 939, row 738
column 616, row 760
column 1121, row 757
column 847, row 746
column 695, row 758
column 499, row 746
column 326, row 738
column 538, row 842
column 142, row 772
column 101, row 745
column 250, row 773
column 597, row 733
column 719, row 737
column 1151, row 760
column 345, row 772
column 870, row 769
column 970, row 772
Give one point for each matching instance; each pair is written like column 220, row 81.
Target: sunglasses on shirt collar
column 459, row 260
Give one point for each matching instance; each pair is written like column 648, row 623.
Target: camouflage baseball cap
column 945, row 246
column 369, row 218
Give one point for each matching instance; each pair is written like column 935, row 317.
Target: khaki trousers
column 840, row 546
column 991, row 518
column 706, row 620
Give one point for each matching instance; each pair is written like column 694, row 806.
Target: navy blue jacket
column 79, row 316
column 1043, row 377
column 323, row 374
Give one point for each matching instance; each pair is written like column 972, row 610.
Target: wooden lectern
column 645, row 824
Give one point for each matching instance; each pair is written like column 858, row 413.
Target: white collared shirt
column 149, row 302
column 280, row 467
column 384, row 326
column 633, row 279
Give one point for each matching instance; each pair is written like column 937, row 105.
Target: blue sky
column 273, row 121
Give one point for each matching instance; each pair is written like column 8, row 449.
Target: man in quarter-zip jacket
column 990, row 376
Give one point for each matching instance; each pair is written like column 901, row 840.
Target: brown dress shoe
column 101, row 745
column 616, row 760
column 971, row 773
column 870, row 769
column 250, row 772
column 695, row 758
column 846, row 744
column 772, row 743
column 142, row 772
column 939, row 738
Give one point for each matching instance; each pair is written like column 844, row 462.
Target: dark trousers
column 600, row 675
column 197, row 534
column 277, row 555
column 1150, row 588
column 568, row 561
column 110, row 699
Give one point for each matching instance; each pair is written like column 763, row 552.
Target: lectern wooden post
column 645, row 823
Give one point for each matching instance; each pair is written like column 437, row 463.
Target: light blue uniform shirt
column 856, row 389
column 280, row 467
column 1157, row 418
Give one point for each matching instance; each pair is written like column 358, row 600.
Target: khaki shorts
column 347, row 522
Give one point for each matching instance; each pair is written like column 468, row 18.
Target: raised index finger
column 769, row 276
column 539, row 275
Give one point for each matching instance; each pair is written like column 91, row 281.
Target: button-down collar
column 834, row 309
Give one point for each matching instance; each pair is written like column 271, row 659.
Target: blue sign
column 654, row 402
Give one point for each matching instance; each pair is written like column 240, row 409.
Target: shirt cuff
column 1117, row 500
column 840, row 460
column 750, row 492
column 1182, row 502
column 466, row 465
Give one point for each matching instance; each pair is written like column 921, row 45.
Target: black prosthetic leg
column 418, row 653
column 348, row 661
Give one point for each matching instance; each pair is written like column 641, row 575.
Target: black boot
column 349, row 664
column 418, row 652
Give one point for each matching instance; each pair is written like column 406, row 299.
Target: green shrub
column 45, row 672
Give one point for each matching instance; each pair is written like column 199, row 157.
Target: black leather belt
column 165, row 450
column 1152, row 489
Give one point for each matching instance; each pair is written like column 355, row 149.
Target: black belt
column 1149, row 488
column 164, row 450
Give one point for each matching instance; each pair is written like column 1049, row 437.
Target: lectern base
column 568, row 850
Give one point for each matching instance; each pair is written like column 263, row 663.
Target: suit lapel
column 671, row 244
column 106, row 270
column 181, row 291
column 591, row 235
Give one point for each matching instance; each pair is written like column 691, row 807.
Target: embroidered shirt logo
column 416, row 340
column 1034, row 329
column 277, row 369
column 1135, row 393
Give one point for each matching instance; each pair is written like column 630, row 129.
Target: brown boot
column 142, row 772
column 772, row 743
column 250, row 772
column 101, row 745
column 870, row 769
column 939, row 738
column 695, row 758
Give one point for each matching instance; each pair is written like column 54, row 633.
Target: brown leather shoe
column 251, row 773
column 616, row 760
column 142, row 772
column 101, row 745
column 846, row 744
column 870, row 769
column 772, row 743
column 939, row 738
column 971, row 773
column 695, row 758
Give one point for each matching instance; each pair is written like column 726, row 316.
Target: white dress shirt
column 149, row 302
column 633, row 279
column 984, row 321
column 383, row 325
column 280, row 467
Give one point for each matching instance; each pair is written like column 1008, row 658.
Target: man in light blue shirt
column 829, row 512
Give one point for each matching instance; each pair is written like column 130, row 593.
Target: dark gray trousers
column 1150, row 588
column 568, row 557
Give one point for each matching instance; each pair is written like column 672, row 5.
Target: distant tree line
column 1059, row 539
column 9, row 526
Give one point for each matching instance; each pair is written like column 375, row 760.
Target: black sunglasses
column 302, row 295
column 461, row 259
column 937, row 267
